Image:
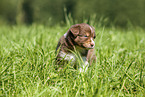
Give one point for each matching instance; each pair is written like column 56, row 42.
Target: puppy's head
column 84, row 35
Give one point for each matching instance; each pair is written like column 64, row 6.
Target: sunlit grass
column 27, row 64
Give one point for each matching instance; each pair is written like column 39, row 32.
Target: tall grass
column 27, row 64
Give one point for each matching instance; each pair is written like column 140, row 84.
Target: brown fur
column 79, row 37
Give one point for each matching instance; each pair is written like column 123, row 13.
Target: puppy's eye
column 85, row 36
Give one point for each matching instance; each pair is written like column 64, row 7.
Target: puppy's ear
column 75, row 29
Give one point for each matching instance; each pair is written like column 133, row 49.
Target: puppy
column 79, row 38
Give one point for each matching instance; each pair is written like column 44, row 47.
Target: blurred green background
column 120, row 13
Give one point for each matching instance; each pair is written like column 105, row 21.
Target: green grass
column 27, row 65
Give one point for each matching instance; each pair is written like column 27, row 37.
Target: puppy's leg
column 84, row 66
column 91, row 56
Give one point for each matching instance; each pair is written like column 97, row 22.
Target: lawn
column 27, row 64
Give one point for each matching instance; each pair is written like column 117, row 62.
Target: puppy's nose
column 92, row 44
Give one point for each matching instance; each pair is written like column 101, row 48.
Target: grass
column 27, row 64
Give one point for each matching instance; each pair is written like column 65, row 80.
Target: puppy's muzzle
column 92, row 44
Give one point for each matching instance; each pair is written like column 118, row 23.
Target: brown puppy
column 80, row 38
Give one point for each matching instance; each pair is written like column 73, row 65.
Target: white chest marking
column 68, row 57
column 71, row 57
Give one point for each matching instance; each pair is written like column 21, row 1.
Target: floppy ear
column 75, row 29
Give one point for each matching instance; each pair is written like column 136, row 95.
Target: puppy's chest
column 71, row 57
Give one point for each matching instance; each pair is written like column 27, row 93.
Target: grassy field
column 27, row 64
